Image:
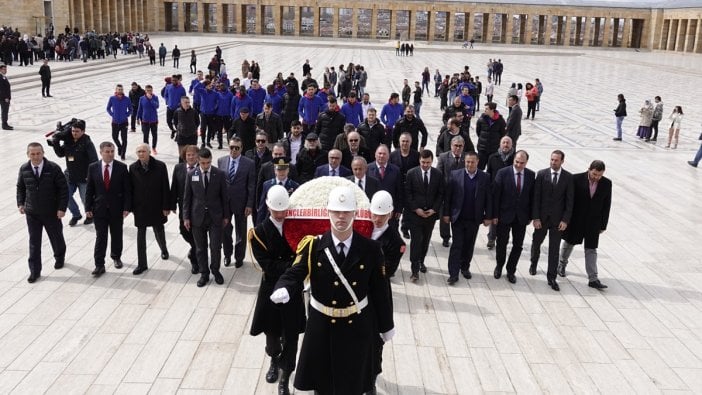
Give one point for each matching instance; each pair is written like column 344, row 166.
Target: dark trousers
column 498, row 77
column 284, row 347
column 654, row 129
column 119, row 136
column 54, row 229
column 161, row 60
column 205, row 131
column 444, row 228
column 4, row 110
column 102, row 224
column 214, row 128
column 228, row 244
column 160, row 235
column 152, row 61
column 200, row 235
column 45, row 87
column 169, row 120
column 518, row 230
column 132, row 118
column 483, row 159
column 307, row 129
column 531, row 109
column 150, row 128
column 421, row 229
column 461, row 252
column 188, row 237
column 226, row 124
column 176, row 62
column 554, row 241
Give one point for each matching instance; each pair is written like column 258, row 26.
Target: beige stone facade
column 658, row 29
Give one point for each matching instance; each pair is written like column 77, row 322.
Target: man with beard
column 330, row 124
column 372, row 131
column 310, row 158
column 490, row 128
column 502, row 158
column 451, row 130
column 412, row 125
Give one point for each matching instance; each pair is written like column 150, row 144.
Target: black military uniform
column 281, row 323
column 338, row 350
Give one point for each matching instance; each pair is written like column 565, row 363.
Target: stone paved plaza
column 158, row 333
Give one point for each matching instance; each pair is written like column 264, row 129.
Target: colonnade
column 681, row 35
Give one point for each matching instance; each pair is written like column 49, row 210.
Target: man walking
column 147, row 116
column 5, row 96
column 119, row 107
column 513, row 129
column 180, row 172
column 504, row 157
column 447, row 163
column 45, row 73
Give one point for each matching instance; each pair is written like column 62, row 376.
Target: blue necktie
column 333, row 173
column 232, row 171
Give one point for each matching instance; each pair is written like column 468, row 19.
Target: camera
column 63, row 131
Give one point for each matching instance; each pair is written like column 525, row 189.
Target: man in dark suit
column 448, row 162
column 424, row 191
column 108, row 200
column 504, row 157
column 467, row 204
column 282, row 170
column 333, row 168
column 390, row 179
column 180, row 173
column 592, row 200
column 240, row 174
column 267, row 170
column 5, row 96
column 151, row 202
column 405, row 158
column 206, row 212
column 369, row 185
column 513, row 192
column 514, row 120
column 552, row 209
column 354, row 149
column 42, row 197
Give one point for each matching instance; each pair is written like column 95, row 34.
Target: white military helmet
column 277, row 198
column 381, row 203
column 341, row 199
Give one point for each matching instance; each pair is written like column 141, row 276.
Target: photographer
column 79, row 152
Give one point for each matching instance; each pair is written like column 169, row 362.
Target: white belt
column 336, row 312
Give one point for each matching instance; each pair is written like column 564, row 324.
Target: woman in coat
column 676, row 121
column 646, row 112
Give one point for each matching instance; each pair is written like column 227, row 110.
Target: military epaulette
column 307, row 242
column 252, row 234
column 304, row 242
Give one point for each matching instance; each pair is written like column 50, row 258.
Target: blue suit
column 262, row 212
column 391, row 182
column 323, row 171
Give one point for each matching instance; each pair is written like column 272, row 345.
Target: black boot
column 283, row 383
column 272, row 374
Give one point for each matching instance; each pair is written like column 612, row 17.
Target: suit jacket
column 454, row 196
column 43, row 196
column 323, row 170
column 266, row 172
column 372, row 185
column 104, row 203
column 446, row 164
column 514, row 122
column 198, row 202
column 417, row 196
column 590, row 214
column 507, row 204
column 180, row 172
column 392, row 183
column 241, row 191
column 412, row 161
column 262, row 212
column 150, row 193
column 553, row 203
column 5, row 90
column 347, row 157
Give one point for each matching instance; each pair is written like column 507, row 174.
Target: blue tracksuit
column 173, row 94
column 197, row 98
column 390, row 114
column 353, row 113
column 208, row 100
column 224, row 100
column 238, row 103
column 309, row 109
column 119, row 108
column 276, row 101
column 258, row 96
column 148, row 109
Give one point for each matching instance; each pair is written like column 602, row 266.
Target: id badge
column 70, row 158
column 196, row 178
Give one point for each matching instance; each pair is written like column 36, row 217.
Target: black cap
column 312, row 136
column 80, row 124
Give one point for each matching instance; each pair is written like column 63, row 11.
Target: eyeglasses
column 458, row 145
column 353, row 141
column 260, row 141
column 234, row 147
column 335, row 157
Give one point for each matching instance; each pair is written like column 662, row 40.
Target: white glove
column 280, row 296
column 387, row 336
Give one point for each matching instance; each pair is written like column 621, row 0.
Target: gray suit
column 514, row 124
column 446, row 164
column 241, row 193
column 551, row 205
column 206, row 209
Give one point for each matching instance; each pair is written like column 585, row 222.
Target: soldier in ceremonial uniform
column 349, row 303
column 281, row 324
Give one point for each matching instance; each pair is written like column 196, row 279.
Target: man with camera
column 79, row 152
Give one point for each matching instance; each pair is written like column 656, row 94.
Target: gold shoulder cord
column 251, row 235
column 306, row 242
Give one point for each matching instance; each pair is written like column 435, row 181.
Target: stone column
column 507, row 28
column 626, row 34
column 335, row 22
column 548, row 26
column 315, row 18
column 354, row 22
column 297, row 15
column 559, row 30
column 607, row 32
column 374, row 23
column 411, row 24
column 698, row 38
column 393, row 24
column 586, row 35
column 431, row 33
column 450, row 22
column 490, row 28
column 468, row 27
column 568, row 26
column 526, row 26
column 689, row 36
column 680, row 40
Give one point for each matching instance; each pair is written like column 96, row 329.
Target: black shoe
column 118, row 263
column 33, row 277
column 124, row 157
column 491, row 244
column 99, row 271
column 74, row 221
column 58, row 264
column 203, row 281
column 209, row 145
column 283, row 383
column 238, row 263
column 561, row 270
column 139, row 270
column 498, row 272
column 554, row 285
column 7, row 127
column 445, row 243
column 414, row 277
column 272, row 374
column 164, row 255
column 88, row 221
column 596, row 284
column 218, row 278
column 511, row 278
column 617, row 139
column 49, row 96
column 227, row 261
column 194, row 269
column 422, row 268
column 466, row 274
column 691, row 163
column 406, row 234
column 452, row 280
column 532, row 269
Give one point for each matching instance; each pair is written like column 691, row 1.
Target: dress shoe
column 164, row 255
column 596, row 284
column 194, row 269
column 466, row 274
column 532, row 269
column 691, row 163
column 498, row 272
column 218, row 278
column 422, row 268
column 272, row 374
column 49, row 96
column 405, row 234
column 74, row 221
column 203, row 281
column 617, row 139
column 33, row 277
column 238, row 263
column 491, row 244
column 7, row 127
column 118, row 263
column 561, row 270
column 452, row 280
column 58, row 264
column 99, row 271
column 653, row 140
column 511, row 278
column 88, row 221
column 414, row 277
column 227, row 261
column 283, row 388
column 139, row 270
column 445, row 243
column 554, row 285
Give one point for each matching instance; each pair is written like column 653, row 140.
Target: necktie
column 382, row 172
column 333, row 173
column 519, row 183
column 360, row 184
column 342, row 255
column 232, row 170
column 426, row 179
column 36, row 171
column 457, row 159
column 106, row 177
column 554, row 178
column 207, row 179
column 280, row 183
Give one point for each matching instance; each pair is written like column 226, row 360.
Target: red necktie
column 106, row 177
column 519, row 183
column 382, row 172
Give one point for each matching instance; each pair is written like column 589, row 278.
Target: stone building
column 672, row 25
